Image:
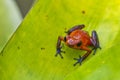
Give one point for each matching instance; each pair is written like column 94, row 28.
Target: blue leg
column 75, row 28
column 80, row 59
column 58, row 47
column 95, row 41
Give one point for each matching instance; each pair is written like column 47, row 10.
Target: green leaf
column 29, row 55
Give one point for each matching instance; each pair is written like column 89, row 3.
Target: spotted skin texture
column 79, row 39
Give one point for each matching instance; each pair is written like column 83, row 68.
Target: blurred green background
column 12, row 13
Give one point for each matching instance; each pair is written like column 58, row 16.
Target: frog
column 79, row 39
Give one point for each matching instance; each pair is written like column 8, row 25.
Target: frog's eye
column 79, row 44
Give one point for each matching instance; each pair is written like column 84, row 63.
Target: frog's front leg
column 95, row 41
column 75, row 28
column 58, row 47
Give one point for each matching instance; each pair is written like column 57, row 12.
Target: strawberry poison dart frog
column 79, row 39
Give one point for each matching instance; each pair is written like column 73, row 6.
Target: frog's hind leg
column 95, row 41
column 75, row 28
column 80, row 59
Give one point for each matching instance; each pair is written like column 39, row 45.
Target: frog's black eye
column 65, row 39
column 79, row 44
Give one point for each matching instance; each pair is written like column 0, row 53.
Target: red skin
column 75, row 37
column 79, row 39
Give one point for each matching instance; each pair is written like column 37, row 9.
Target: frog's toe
column 59, row 51
column 79, row 60
column 95, row 49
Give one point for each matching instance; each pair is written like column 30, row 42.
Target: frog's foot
column 79, row 60
column 95, row 49
column 95, row 41
column 59, row 51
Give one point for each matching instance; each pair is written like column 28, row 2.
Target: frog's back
column 79, row 34
column 82, row 36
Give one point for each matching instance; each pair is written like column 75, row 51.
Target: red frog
column 79, row 39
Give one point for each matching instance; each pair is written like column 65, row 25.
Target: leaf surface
column 29, row 55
